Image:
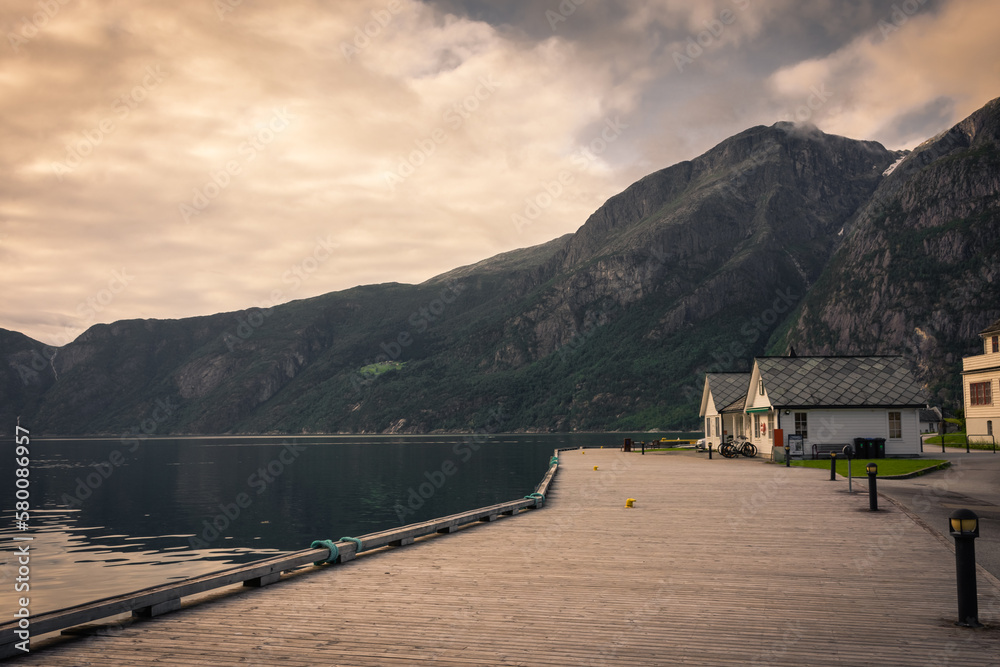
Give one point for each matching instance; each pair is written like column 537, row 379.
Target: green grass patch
column 886, row 467
column 374, row 370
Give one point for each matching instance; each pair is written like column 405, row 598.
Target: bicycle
column 738, row 446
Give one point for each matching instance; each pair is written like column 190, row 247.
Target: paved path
column 972, row 482
column 720, row 563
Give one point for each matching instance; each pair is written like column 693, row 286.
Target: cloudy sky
column 171, row 159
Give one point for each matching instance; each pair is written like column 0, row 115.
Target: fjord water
column 110, row 517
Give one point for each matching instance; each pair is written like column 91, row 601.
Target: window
column 760, row 387
column 770, row 424
column 756, row 426
column 996, row 343
column 718, row 426
column 802, row 424
column 989, row 427
column 979, row 393
column 896, row 425
column 708, row 427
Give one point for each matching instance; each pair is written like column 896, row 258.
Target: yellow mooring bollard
column 630, row 502
column 595, row 467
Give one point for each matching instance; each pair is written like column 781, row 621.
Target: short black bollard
column 849, row 453
column 833, row 466
column 644, row 447
column 709, row 451
column 964, row 525
column 872, row 469
column 788, row 456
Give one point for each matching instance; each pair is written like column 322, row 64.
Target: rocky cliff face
column 919, row 270
column 753, row 217
column 780, row 236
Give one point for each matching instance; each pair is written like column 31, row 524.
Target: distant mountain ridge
column 779, row 236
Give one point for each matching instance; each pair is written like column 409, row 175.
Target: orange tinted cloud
column 205, row 153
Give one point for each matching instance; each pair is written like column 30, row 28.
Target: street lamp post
column 964, row 526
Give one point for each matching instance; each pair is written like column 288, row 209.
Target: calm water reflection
column 108, row 518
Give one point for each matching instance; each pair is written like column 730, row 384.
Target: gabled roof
column 991, row 330
column 736, row 406
column 840, row 382
column 930, row 415
column 727, row 387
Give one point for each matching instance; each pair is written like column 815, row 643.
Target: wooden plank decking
column 721, row 562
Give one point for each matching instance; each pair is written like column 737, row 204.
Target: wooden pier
column 723, row 562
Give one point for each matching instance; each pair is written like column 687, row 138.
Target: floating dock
column 722, row 562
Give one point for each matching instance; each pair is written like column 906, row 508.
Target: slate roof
column 728, row 387
column 930, row 415
column 992, row 329
column 840, row 382
column 736, row 406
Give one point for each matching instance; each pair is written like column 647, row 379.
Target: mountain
column 919, row 273
column 779, row 236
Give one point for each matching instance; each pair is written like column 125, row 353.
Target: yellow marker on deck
column 630, row 502
column 595, row 467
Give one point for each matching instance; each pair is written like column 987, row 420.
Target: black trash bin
column 862, row 448
column 878, row 448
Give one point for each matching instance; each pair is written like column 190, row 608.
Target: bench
column 823, row 450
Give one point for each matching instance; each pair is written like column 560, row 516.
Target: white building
column 721, row 391
column 833, row 400
column 930, row 420
column 980, row 385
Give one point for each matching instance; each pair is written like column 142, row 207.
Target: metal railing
column 980, row 435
